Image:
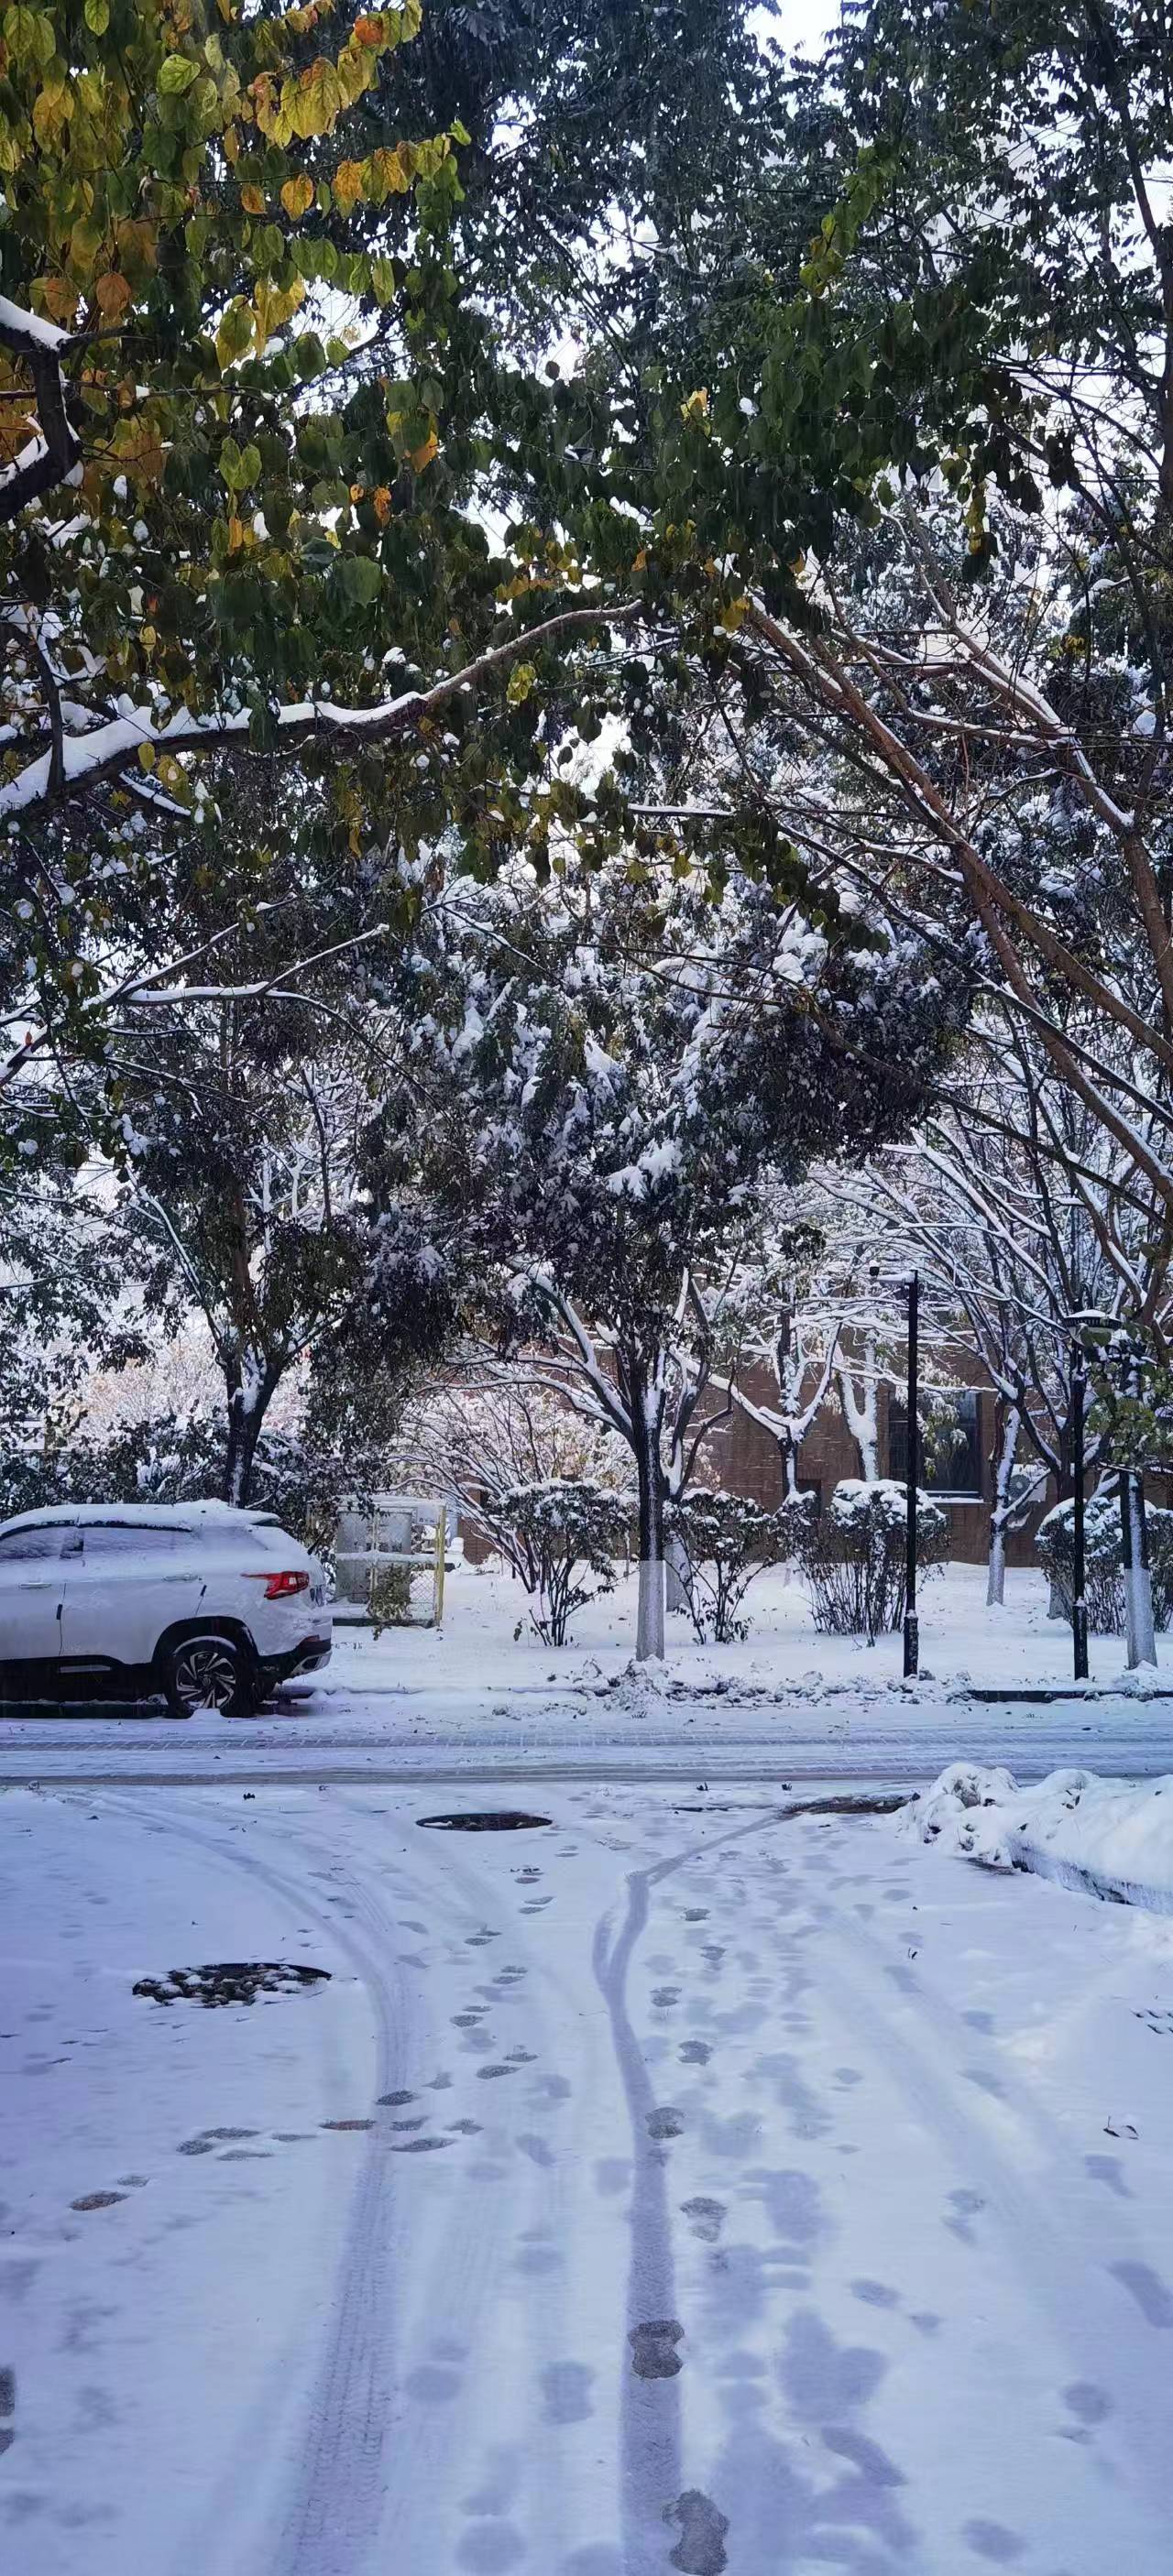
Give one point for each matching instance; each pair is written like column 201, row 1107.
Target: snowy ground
column 784, row 1704
column 683, row 2186
column 961, row 1642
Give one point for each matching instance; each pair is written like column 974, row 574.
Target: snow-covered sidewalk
column 679, row 2185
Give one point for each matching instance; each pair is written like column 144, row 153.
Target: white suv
column 209, row 1605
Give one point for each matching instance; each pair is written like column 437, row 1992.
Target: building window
column 951, row 1461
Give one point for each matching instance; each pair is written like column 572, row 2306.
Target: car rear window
column 24, row 1547
column 130, row 1538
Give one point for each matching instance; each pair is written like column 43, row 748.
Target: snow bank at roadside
column 1112, row 1836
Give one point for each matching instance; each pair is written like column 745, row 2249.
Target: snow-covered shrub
column 561, row 1531
column 853, row 1555
column 726, row 1541
column 1104, row 1560
column 177, row 1458
column 530, row 1476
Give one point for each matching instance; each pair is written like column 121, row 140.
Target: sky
column 797, row 22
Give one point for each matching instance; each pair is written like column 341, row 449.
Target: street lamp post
column 911, row 1623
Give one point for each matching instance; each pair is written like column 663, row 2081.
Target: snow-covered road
column 685, row 2185
column 903, row 1744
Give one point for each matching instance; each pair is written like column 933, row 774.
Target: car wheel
column 207, row 1672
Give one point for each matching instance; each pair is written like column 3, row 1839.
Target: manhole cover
column 490, row 1820
column 229, row 1981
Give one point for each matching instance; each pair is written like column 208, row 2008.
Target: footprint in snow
column 700, row 2550
column 666, row 2123
column 653, row 2349
column 965, row 2205
column 705, row 2217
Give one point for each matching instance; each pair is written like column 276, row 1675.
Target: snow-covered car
column 209, row 1605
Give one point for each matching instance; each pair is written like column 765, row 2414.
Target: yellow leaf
column 56, row 297
column 313, row 101
column 138, row 245
column 297, row 196
column 231, row 144
column 697, row 406
column 381, row 497
column 252, row 201
column 271, row 309
column 390, row 172
column 50, row 116
column 421, row 457
column 348, row 184
column 235, row 534
column 113, row 294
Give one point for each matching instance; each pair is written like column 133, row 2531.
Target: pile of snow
column 1113, row 1836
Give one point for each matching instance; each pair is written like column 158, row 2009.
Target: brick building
column 740, row 1455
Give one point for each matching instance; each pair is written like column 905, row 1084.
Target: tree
column 1030, row 1237
column 530, row 1475
column 614, row 1065
column 943, row 686
column 791, row 1324
column 239, row 1122
column 279, row 493
column 68, row 1304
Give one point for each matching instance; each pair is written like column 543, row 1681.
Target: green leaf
column 361, row 579
column 97, row 15
column 176, row 73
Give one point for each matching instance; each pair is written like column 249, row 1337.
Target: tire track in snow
column 651, row 2452
column 334, row 2520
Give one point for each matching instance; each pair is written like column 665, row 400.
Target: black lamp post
column 911, row 1623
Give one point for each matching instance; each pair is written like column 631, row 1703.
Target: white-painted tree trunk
column 1003, row 1473
column 996, row 1572
column 1138, row 1581
column 649, row 1625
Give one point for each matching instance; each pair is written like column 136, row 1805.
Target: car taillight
column 280, row 1587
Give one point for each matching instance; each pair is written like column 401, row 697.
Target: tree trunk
column 788, row 1455
column 251, row 1388
column 1004, row 1470
column 863, row 1418
column 649, row 1633
column 676, row 1570
column 996, row 1573
column 1138, row 1581
column 1059, row 1602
